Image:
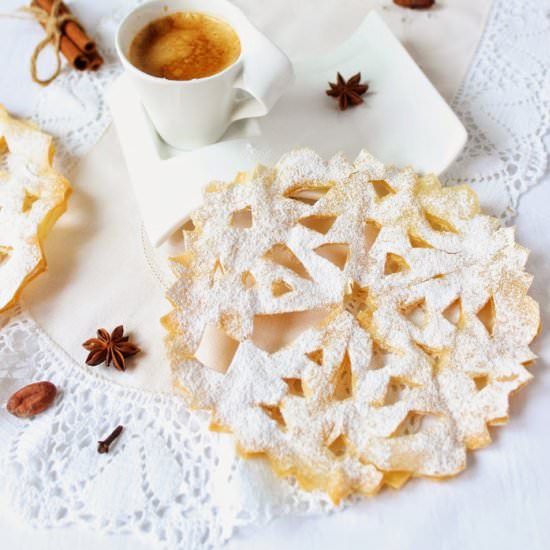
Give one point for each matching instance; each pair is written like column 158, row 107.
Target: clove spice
column 103, row 446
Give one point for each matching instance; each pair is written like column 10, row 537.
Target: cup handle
column 266, row 73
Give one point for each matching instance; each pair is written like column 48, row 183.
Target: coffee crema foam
column 184, row 46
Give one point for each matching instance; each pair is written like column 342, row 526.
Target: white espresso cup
column 192, row 113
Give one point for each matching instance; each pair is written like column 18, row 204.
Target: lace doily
column 47, row 471
column 504, row 102
column 54, row 476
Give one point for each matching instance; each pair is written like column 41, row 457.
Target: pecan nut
column 32, row 399
column 415, row 4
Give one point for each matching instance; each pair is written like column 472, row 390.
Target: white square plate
column 404, row 121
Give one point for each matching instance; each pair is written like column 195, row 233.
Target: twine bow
column 53, row 25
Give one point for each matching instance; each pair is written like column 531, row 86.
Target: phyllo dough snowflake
column 372, row 323
column 32, row 197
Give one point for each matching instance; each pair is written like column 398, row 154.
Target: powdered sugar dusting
column 426, row 333
column 32, row 197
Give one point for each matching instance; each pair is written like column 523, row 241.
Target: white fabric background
column 505, row 485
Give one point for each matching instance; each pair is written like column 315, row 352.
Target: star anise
column 110, row 348
column 347, row 92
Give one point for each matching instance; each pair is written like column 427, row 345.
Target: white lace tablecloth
column 171, row 483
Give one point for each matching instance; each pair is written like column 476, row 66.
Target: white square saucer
column 404, row 121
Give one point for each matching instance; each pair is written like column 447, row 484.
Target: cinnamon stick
column 73, row 31
column 74, row 55
column 95, row 61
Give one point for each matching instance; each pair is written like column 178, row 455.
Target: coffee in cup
column 185, row 46
column 198, row 66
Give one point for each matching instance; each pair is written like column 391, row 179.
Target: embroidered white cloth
column 170, row 479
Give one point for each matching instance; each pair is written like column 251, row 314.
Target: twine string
column 53, row 24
